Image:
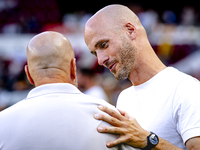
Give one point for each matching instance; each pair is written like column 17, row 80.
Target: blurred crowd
column 173, row 35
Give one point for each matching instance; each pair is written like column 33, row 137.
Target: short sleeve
column 187, row 109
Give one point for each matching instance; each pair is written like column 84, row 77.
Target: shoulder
column 181, row 81
column 186, row 90
column 128, row 90
column 186, row 108
column 11, row 113
column 175, row 75
column 188, row 86
column 92, row 101
column 187, row 96
column 126, row 93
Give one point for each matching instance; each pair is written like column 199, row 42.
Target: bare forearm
column 133, row 134
column 165, row 145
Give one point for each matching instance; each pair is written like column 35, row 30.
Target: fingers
column 124, row 125
column 125, row 114
column 111, row 120
column 111, row 112
column 113, row 130
column 115, row 142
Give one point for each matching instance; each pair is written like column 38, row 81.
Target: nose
column 102, row 57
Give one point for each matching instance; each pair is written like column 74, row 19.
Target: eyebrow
column 100, row 41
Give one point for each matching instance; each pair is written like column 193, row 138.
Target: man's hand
column 133, row 134
column 126, row 126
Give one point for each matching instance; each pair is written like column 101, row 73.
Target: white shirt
column 168, row 105
column 54, row 117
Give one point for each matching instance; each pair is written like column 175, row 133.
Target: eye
column 94, row 53
column 104, row 45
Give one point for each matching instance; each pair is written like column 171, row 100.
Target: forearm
column 165, row 145
column 133, row 134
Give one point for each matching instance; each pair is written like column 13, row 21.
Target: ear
column 28, row 75
column 131, row 30
column 73, row 69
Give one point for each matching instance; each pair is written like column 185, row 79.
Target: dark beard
column 127, row 59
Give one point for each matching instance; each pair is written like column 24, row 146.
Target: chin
column 122, row 75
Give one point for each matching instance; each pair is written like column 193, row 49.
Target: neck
column 50, row 81
column 46, row 80
column 51, row 75
column 146, row 69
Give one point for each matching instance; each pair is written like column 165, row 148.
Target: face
column 115, row 52
column 126, row 59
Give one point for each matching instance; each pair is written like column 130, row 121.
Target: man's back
column 53, row 117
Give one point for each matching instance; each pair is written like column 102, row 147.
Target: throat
column 142, row 75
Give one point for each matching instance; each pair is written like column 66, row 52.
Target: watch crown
column 153, row 136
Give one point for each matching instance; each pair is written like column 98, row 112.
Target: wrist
column 151, row 141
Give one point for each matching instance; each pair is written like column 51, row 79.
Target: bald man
column 163, row 102
column 55, row 115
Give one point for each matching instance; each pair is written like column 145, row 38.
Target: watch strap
column 149, row 144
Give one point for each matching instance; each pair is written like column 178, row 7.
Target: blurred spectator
column 173, row 33
column 148, row 19
column 87, row 83
column 169, row 17
column 27, row 16
column 188, row 16
column 14, row 85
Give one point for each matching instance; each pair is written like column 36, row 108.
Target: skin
column 115, row 35
column 50, row 59
column 122, row 32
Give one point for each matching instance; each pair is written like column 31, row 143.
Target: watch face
column 153, row 139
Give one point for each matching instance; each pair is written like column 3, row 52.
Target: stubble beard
column 126, row 60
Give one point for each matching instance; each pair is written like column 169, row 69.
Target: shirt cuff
column 191, row 133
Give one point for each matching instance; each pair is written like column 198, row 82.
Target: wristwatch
column 152, row 141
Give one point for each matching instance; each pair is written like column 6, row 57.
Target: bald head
column 115, row 14
column 115, row 35
column 111, row 18
column 49, row 57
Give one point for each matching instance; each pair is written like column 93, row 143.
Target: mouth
column 112, row 66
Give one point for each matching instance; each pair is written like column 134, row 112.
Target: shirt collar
column 53, row 88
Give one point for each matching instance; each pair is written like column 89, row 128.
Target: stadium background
column 173, row 28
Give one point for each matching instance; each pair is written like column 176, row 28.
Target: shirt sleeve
column 187, row 109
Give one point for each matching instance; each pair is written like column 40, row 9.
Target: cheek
column 115, row 51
